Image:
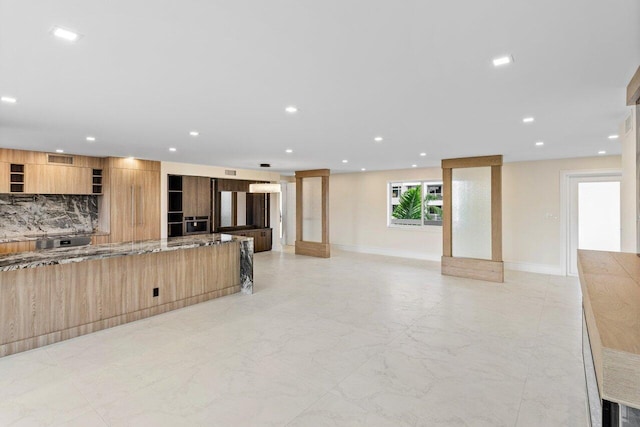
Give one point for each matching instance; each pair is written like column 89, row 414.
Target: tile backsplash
column 22, row 215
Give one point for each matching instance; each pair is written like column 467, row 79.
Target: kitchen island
column 56, row 294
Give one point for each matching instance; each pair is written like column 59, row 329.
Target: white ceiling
column 418, row 73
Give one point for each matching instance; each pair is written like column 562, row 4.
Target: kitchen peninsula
column 52, row 295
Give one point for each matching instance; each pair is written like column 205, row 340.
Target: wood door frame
column 493, row 269
column 318, row 249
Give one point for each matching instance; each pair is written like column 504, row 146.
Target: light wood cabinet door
column 25, row 309
column 122, row 205
column 76, row 294
column 147, row 208
column 135, row 205
column 57, row 179
column 5, row 174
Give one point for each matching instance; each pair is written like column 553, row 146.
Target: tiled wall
column 22, row 215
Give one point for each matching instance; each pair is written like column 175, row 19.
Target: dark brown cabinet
column 262, row 237
column 196, row 196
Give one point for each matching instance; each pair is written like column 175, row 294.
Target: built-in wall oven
column 196, row 225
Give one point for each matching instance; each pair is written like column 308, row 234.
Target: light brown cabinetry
column 5, row 171
column 57, row 179
column 12, row 247
column 46, row 173
column 134, row 204
column 196, row 196
column 47, row 304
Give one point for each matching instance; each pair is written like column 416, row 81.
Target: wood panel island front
column 56, row 294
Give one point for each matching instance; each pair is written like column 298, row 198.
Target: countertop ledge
column 46, row 257
column 37, row 236
column 610, row 284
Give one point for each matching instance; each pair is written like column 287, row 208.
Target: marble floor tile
column 87, row 419
column 354, row 340
column 55, row 403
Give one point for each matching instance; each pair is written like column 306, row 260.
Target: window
column 415, row 203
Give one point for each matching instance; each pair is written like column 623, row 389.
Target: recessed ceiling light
column 65, row 34
column 378, row 139
column 539, row 143
column 503, row 60
column 528, row 120
column 345, row 161
column 414, row 166
column 423, row 154
column 613, row 136
column 8, row 99
column 288, row 150
column 59, row 151
column 91, row 138
column 172, row 149
column 291, row 109
column 194, row 133
column 363, row 169
column 602, row 152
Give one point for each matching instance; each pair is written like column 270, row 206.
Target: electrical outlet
column 156, row 292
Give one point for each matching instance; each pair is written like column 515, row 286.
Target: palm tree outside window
column 415, row 203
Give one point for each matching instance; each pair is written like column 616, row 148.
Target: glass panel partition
column 312, row 209
column 471, row 212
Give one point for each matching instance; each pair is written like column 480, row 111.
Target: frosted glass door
column 312, row 209
column 471, row 212
column 599, row 216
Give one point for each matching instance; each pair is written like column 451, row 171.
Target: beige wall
column 358, row 215
column 532, row 238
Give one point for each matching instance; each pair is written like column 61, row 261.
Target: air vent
column 61, row 160
column 265, row 165
column 230, row 172
column 628, row 124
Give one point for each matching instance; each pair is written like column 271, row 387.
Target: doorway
column 288, row 213
column 593, row 214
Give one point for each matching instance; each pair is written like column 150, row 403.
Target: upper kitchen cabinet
column 5, row 172
column 134, row 199
column 34, row 172
column 196, row 196
column 57, row 179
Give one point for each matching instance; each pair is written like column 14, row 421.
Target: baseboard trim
column 528, row 267
column 387, row 252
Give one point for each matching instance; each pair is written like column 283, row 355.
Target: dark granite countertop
column 46, row 257
column 36, row 236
